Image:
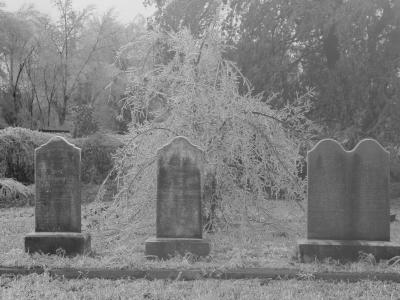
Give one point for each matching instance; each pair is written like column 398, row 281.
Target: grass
column 114, row 245
column 269, row 244
column 44, row 287
column 243, row 246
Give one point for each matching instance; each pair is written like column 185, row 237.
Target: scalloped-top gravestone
column 348, row 202
column 57, row 200
column 179, row 196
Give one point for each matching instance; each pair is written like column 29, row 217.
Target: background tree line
column 346, row 51
column 55, row 72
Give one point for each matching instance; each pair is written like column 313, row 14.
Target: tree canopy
column 48, row 67
column 346, row 51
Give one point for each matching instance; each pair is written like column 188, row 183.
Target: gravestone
column 348, row 202
column 179, row 196
column 57, row 200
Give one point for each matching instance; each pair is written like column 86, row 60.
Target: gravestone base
column 165, row 248
column 71, row 243
column 345, row 250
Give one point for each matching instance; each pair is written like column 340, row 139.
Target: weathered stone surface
column 58, row 201
column 348, row 192
column 348, row 202
column 328, row 206
column 58, row 188
column 179, row 196
column 345, row 250
column 179, row 190
column 165, row 248
column 370, row 192
column 71, row 243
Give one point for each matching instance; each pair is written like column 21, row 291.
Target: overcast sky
column 126, row 10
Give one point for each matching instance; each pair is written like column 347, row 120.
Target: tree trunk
column 63, row 111
column 48, row 115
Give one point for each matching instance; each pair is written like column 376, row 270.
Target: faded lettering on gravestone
column 348, row 192
column 58, row 191
column 179, row 190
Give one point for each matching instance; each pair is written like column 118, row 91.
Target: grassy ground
column 269, row 244
column 45, row 287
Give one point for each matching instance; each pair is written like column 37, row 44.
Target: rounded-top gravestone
column 58, row 189
column 57, row 200
column 179, row 195
column 179, row 190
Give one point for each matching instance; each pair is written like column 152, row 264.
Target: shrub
column 97, row 160
column 17, row 147
column 14, row 193
column 84, row 122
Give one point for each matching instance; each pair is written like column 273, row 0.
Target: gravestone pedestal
column 179, row 193
column 163, row 248
column 348, row 203
column 52, row 242
column 57, row 201
column 343, row 250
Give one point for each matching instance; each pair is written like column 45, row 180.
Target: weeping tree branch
column 295, row 180
column 114, row 169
